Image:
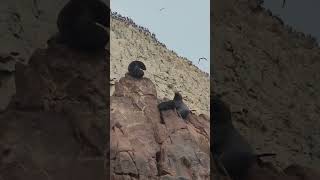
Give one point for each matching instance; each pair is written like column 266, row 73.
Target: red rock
column 170, row 149
column 55, row 127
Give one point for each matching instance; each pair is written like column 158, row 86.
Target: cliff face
column 165, row 68
column 269, row 75
column 55, row 126
column 54, row 117
column 27, row 26
column 145, row 147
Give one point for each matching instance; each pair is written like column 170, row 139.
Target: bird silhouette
column 201, row 59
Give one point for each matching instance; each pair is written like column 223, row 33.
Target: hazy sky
column 301, row 15
column 183, row 25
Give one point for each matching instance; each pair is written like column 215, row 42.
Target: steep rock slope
column 55, row 126
column 269, row 74
column 145, row 147
column 28, row 25
column 24, row 27
column 165, row 68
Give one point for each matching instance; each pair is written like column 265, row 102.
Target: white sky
column 183, row 25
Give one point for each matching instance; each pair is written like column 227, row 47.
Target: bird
column 162, row 9
column 202, row 58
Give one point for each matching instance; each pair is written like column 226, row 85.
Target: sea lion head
column 177, row 96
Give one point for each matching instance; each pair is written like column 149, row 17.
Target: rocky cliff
column 55, row 127
column 27, row 26
column 56, row 123
column 54, row 115
column 269, row 75
column 165, row 68
column 144, row 146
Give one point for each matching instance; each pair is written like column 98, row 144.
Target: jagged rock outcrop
column 269, row 75
column 55, row 127
column 144, row 147
column 24, row 28
column 165, row 68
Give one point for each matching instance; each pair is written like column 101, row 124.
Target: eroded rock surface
column 144, row 147
column 55, row 126
column 168, row 70
column 269, row 74
column 26, row 26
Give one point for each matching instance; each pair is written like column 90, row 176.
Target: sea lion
column 83, row 24
column 136, row 68
column 177, row 103
column 230, row 148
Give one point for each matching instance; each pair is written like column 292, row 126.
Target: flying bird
column 201, row 59
column 162, row 9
